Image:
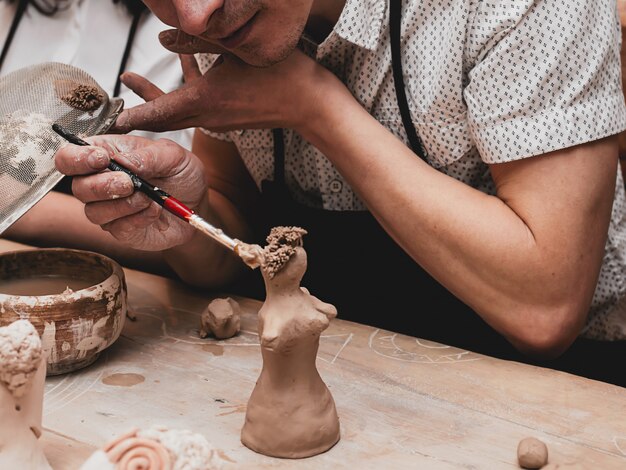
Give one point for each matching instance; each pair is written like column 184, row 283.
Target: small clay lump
column 532, row 453
column 221, row 318
column 84, row 97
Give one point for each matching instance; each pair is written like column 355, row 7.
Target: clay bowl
column 74, row 325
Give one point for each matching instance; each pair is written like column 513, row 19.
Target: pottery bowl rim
column 112, row 266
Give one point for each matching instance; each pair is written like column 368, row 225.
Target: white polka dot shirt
column 487, row 82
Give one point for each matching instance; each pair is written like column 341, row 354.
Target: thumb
column 180, row 42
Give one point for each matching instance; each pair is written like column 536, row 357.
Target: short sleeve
column 545, row 76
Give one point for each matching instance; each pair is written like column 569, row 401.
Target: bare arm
column 58, row 220
column 527, row 260
column 137, row 222
column 232, row 197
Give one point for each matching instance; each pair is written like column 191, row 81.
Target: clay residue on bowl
column 75, row 325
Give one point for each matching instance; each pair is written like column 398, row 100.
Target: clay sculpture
column 157, row 448
column 532, row 453
column 221, row 319
column 291, row 413
column 22, row 379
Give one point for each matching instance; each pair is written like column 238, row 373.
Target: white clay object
column 157, row 448
column 22, row 380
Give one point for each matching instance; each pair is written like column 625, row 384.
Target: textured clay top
column 20, row 355
column 281, row 246
column 84, row 97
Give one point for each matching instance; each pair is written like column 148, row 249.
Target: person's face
column 259, row 32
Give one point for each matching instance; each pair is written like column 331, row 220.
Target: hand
column 231, row 95
column 109, row 196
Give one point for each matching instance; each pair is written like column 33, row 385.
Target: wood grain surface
column 403, row 402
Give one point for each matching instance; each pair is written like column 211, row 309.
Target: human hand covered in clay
column 230, row 95
column 109, row 196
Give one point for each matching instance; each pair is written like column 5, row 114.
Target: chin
column 261, row 61
column 265, row 55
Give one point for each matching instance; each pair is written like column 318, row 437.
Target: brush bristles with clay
column 252, row 255
column 212, row 231
column 281, row 246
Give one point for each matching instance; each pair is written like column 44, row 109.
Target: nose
column 194, row 15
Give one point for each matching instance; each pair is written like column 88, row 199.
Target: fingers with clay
column 148, row 91
column 170, row 111
column 190, row 67
column 231, row 95
column 110, row 197
column 141, row 86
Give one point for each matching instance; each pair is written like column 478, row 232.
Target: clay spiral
column 130, row 452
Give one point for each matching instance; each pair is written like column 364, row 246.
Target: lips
column 238, row 36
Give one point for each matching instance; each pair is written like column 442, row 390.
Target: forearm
column 204, row 262
column 59, row 220
column 501, row 262
column 229, row 204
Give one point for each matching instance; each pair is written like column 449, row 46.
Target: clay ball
column 532, row 453
column 221, row 318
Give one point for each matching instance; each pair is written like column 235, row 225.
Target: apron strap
column 279, row 156
column 19, row 13
column 21, row 8
column 127, row 48
column 395, row 17
column 395, row 23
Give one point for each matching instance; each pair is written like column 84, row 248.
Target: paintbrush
column 250, row 254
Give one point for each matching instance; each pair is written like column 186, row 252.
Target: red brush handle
column 177, row 208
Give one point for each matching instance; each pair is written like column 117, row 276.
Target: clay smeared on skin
column 532, row 453
column 221, row 319
column 84, row 97
column 291, row 413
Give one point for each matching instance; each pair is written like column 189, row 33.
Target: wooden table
column 403, row 402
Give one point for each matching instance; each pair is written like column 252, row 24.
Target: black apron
column 355, row 265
